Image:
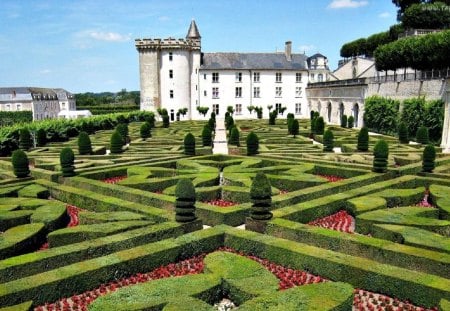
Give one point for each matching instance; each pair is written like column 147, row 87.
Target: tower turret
column 193, row 32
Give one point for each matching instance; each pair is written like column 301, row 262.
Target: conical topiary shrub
column 380, row 156
column 261, row 197
column 165, row 120
column 252, row 144
column 234, row 136
column 273, row 117
column 24, row 139
column 422, row 136
column 428, row 158
column 185, row 201
column 328, row 141
column 67, row 160
column 350, row 122
column 84, row 143
column 116, row 143
column 122, row 128
column 20, row 163
column 212, row 124
column 403, row 133
column 295, row 127
column 319, row 126
column 41, row 137
column 189, row 144
column 344, row 121
column 363, row 139
column 206, row 136
column 145, row 130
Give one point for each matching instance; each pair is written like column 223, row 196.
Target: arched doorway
column 356, row 114
column 329, row 112
column 341, row 111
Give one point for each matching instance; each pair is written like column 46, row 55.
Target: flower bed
column 426, row 200
column 331, row 178
column 114, row 180
column 220, row 203
column 341, row 221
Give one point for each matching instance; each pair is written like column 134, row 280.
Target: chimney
column 288, row 50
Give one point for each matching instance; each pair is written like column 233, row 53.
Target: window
column 278, row 77
column 205, row 93
column 239, row 91
column 278, row 91
column 215, row 92
column 171, row 56
column 215, row 77
column 238, row 76
column 256, row 92
column 312, row 77
column 278, row 107
column 204, row 76
column 170, row 74
column 171, row 93
column 238, row 109
column 298, row 108
column 216, row 109
column 298, row 91
column 298, row 77
column 256, row 77
column 320, row 77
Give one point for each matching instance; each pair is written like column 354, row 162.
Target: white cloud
column 307, row 48
column 384, row 15
column 109, row 36
column 343, row 4
column 45, row 71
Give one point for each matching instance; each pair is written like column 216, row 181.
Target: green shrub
column 122, row 128
column 121, row 119
column 252, row 143
column 189, row 144
column 20, row 163
column 295, row 127
column 212, row 124
column 41, row 137
column 185, row 201
column 428, row 158
column 261, row 197
column 165, row 120
column 206, row 136
column 319, row 126
column 328, row 141
column 259, row 112
column 229, row 121
column 381, row 114
column 313, row 125
column 150, row 119
column 145, row 130
column 403, row 133
column 25, row 139
column 422, row 135
column 67, row 160
column 363, row 139
column 272, row 117
column 117, row 143
column 234, row 136
column 344, row 121
column 350, row 122
column 84, row 143
column 380, row 154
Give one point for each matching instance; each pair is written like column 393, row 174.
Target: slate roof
column 193, row 32
column 11, row 94
column 259, row 61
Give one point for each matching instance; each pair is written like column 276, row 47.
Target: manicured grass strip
column 20, row 239
column 441, row 197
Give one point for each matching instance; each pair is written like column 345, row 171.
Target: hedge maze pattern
column 342, row 237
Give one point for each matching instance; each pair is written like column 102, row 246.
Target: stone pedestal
column 255, row 225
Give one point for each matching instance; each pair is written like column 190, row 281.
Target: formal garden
column 131, row 212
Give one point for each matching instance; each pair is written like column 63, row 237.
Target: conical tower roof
column 193, row 32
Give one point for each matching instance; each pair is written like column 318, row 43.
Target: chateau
column 175, row 73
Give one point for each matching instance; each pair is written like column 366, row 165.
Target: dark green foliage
column 272, row 117
column 212, row 123
column 328, row 141
column 230, row 109
column 295, row 127
column 41, row 137
column 319, row 126
column 67, row 160
column 381, row 114
column 227, row 115
column 20, row 163
column 428, row 158
column 427, row 16
column 412, row 114
column 185, row 201
column 344, row 121
column 422, row 135
column 207, row 136
column 259, row 112
column 145, row 130
column 311, row 114
column 363, row 139
column 121, row 119
column 166, row 120
column 252, row 143
column 189, row 144
column 117, row 143
column 289, row 125
column 8, row 118
column 290, row 115
column 150, row 118
column 261, row 197
column 350, row 122
column 25, row 139
column 84, row 143
column 313, row 125
column 203, row 110
column 122, row 128
column 213, row 115
column 234, row 136
column 380, row 154
column 229, row 122
column 281, row 110
column 434, row 118
column 403, row 136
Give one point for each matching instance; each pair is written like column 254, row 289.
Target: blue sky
column 88, row 45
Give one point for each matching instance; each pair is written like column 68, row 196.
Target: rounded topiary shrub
column 344, row 121
column 428, row 158
column 189, row 144
column 363, row 139
column 234, row 136
column 252, row 144
column 380, row 156
column 122, row 128
column 328, row 141
column 24, row 139
column 261, row 197
column 206, row 136
column 166, row 121
column 150, row 118
column 272, row 117
column 422, row 136
column 350, row 122
column 117, row 142
column 319, row 126
column 295, row 127
column 185, row 201
column 145, row 130
column 20, row 163
column 67, row 160
column 403, row 133
column 84, row 143
column 41, row 137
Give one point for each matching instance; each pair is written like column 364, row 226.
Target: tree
column 250, row 108
column 252, row 144
column 206, row 136
column 344, row 121
column 41, row 137
column 281, row 110
column 116, row 143
column 272, row 117
column 230, row 109
column 24, row 139
column 380, row 156
column 403, row 5
column 328, row 141
column 350, row 122
column 261, row 197
column 363, row 139
column 67, row 160
column 259, row 112
column 422, row 136
column 183, row 111
column 234, row 136
column 428, row 159
column 84, row 143
column 229, row 122
column 145, row 131
column 290, row 119
column 166, row 121
column 212, row 124
column 189, row 144
column 20, row 163
column 185, row 201
column 150, row 119
column 202, row 110
column 427, row 16
column 319, row 126
column 122, row 129
column 295, row 127
column 269, row 107
column 403, row 133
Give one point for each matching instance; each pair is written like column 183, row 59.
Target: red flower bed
column 341, row 221
column 114, row 180
column 220, row 203
column 425, row 201
column 283, row 191
column 158, row 191
column 331, row 178
column 365, row 300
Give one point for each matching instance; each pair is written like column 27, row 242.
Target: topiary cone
column 24, row 139
column 363, row 139
column 428, row 159
column 145, row 130
column 422, row 135
column 20, row 163
column 84, row 143
column 328, row 141
column 252, row 144
column 206, row 136
column 189, row 144
column 67, row 160
column 185, row 201
column 403, row 133
column 261, row 197
column 380, row 153
column 116, row 143
column 234, row 136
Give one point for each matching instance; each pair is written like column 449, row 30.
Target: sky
column 88, row 45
